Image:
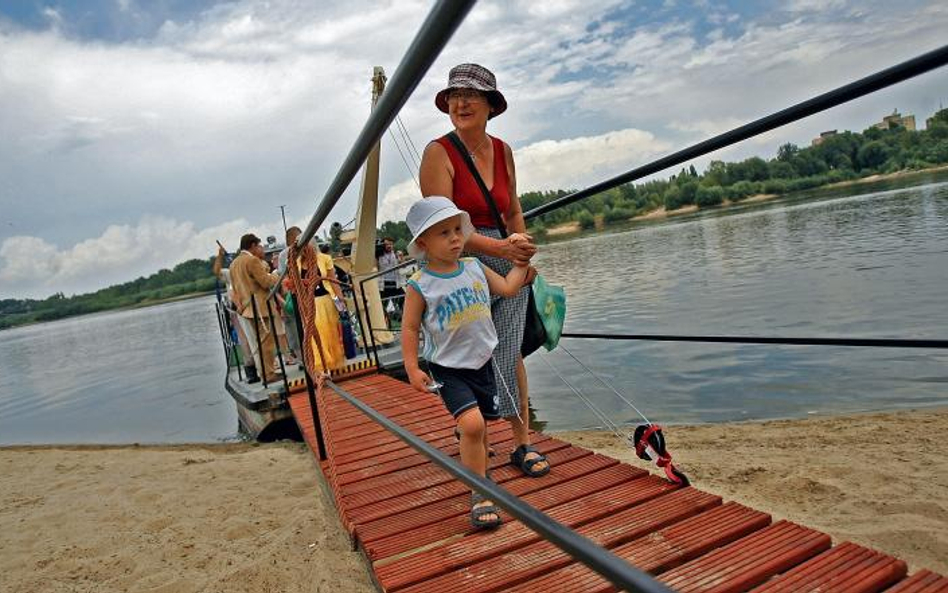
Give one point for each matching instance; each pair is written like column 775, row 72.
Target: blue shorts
column 464, row 389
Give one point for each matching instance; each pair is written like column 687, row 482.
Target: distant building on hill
column 822, row 137
column 897, row 120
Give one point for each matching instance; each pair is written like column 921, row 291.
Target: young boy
column 449, row 297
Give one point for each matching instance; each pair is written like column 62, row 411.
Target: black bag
column 534, row 334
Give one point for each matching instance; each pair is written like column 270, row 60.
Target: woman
column 327, row 315
column 470, row 99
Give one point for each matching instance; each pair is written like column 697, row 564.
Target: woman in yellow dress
column 327, row 315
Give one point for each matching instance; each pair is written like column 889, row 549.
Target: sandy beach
column 247, row 517
column 170, row 519
column 880, row 480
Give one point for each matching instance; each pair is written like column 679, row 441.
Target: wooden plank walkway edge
column 409, row 518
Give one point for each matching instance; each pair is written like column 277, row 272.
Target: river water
column 868, row 265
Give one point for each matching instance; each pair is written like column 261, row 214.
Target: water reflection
column 874, row 265
column 144, row 375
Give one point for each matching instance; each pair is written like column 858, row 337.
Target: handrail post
column 262, row 371
column 310, row 388
column 358, row 314
column 279, row 351
column 220, row 326
column 235, row 349
column 365, row 304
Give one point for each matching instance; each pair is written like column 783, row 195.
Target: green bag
column 289, row 307
column 550, row 302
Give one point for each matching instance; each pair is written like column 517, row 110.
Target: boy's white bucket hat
column 427, row 212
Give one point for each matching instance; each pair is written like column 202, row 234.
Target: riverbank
column 139, row 305
column 246, row 517
column 880, row 480
column 573, row 227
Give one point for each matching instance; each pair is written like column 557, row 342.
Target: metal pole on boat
column 371, row 332
column 310, row 388
column 276, row 341
column 235, row 349
column 256, row 330
column 220, row 325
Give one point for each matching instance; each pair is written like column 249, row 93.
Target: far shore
column 140, row 305
column 569, row 228
column 245, row 517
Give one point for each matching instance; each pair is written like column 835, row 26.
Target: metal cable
column 606, row 421
column 603, row 381
column 858, row 342
column 404, row 160
column 407, row 137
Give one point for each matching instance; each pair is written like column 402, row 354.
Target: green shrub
column 709, row 196
column 586, row 220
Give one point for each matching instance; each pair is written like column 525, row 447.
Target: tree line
column 189, row 277
column 840, row 157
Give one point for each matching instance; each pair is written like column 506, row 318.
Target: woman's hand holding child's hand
column 519, row 248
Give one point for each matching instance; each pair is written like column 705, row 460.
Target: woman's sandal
column 519, row 458
column 478, row 513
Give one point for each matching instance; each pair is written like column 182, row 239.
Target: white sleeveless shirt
column 459, row 331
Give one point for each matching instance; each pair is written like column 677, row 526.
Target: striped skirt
column 509, row 315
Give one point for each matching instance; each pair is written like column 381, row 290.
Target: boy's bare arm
column 506, row 286
column 411, row 325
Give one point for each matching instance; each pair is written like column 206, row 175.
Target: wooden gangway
column 410, row 518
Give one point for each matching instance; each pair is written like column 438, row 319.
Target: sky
column 134, row 134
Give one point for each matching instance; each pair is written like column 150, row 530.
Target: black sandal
column 519, row 458
column 479, row 512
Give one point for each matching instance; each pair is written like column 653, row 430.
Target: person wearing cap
column 449, row 300
column 471, row 99
column 252, row 280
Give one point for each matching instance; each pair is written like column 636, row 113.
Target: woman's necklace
column 473, row 151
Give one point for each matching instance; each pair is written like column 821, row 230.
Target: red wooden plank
column 749, row 561
column 479, row 546
column 413, row 479
column 924, row 581
column 658, row 551
column 402, row 521
column 447, row 490
column 501, row 439
column 406, row 541
column 847, row 567
column 501, row 572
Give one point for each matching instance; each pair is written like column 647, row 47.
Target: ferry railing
column 230, row 347
column 368, row 320
column 310, row 387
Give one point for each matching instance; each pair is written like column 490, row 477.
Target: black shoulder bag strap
column 498, row 220
column 534, row 335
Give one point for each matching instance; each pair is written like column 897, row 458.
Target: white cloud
column 31, row 265
column 577, row 162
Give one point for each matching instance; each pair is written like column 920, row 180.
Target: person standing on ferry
column 470, row 100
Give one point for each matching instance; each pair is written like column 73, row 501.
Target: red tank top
column 468, row 196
